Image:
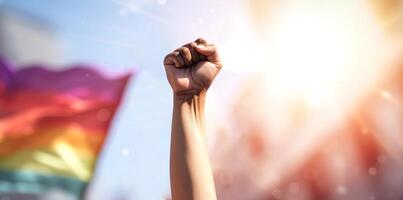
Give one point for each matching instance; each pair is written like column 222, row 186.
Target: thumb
column 210, row 52
column 206, row 49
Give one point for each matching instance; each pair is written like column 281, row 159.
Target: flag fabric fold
column 52, row 128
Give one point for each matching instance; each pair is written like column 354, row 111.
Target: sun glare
column 311, row 55
column 315, row 54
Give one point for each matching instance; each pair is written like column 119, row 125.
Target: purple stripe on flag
column 78, row 81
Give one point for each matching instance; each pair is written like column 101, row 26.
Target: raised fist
column 192, row 68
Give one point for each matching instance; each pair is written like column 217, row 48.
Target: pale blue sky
column 120, row 36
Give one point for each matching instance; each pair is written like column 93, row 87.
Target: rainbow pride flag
column 52, row 128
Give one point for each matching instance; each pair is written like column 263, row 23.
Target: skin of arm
column 190, row 71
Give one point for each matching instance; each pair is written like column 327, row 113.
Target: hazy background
column 265, row 136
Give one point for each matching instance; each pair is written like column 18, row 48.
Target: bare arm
column 190, row 71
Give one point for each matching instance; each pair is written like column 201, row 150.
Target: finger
column 210, row 51
column 174, row 59
column 186, row 55
column 181, row 62
column 206, row 49
column 169, row 59
column 196, row 57
column 200, row 41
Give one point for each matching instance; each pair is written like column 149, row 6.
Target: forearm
column 191, row 174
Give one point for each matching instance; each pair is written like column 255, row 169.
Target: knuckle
column 193, row 44
column 185, row 50
column 172, row 54
column 182, row 49
column 195, row 57
column 177, row 50
column 201, row 41
column 188, row 45
column 175, row 54
column 168, row 57
column 186, row 53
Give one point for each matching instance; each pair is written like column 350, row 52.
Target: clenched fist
column 192, row 68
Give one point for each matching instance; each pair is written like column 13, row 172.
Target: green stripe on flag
column 25, row 182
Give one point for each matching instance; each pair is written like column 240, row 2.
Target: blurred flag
column 52, row 127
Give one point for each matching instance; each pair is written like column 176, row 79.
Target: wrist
column 190, row 97
column 191, row 107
